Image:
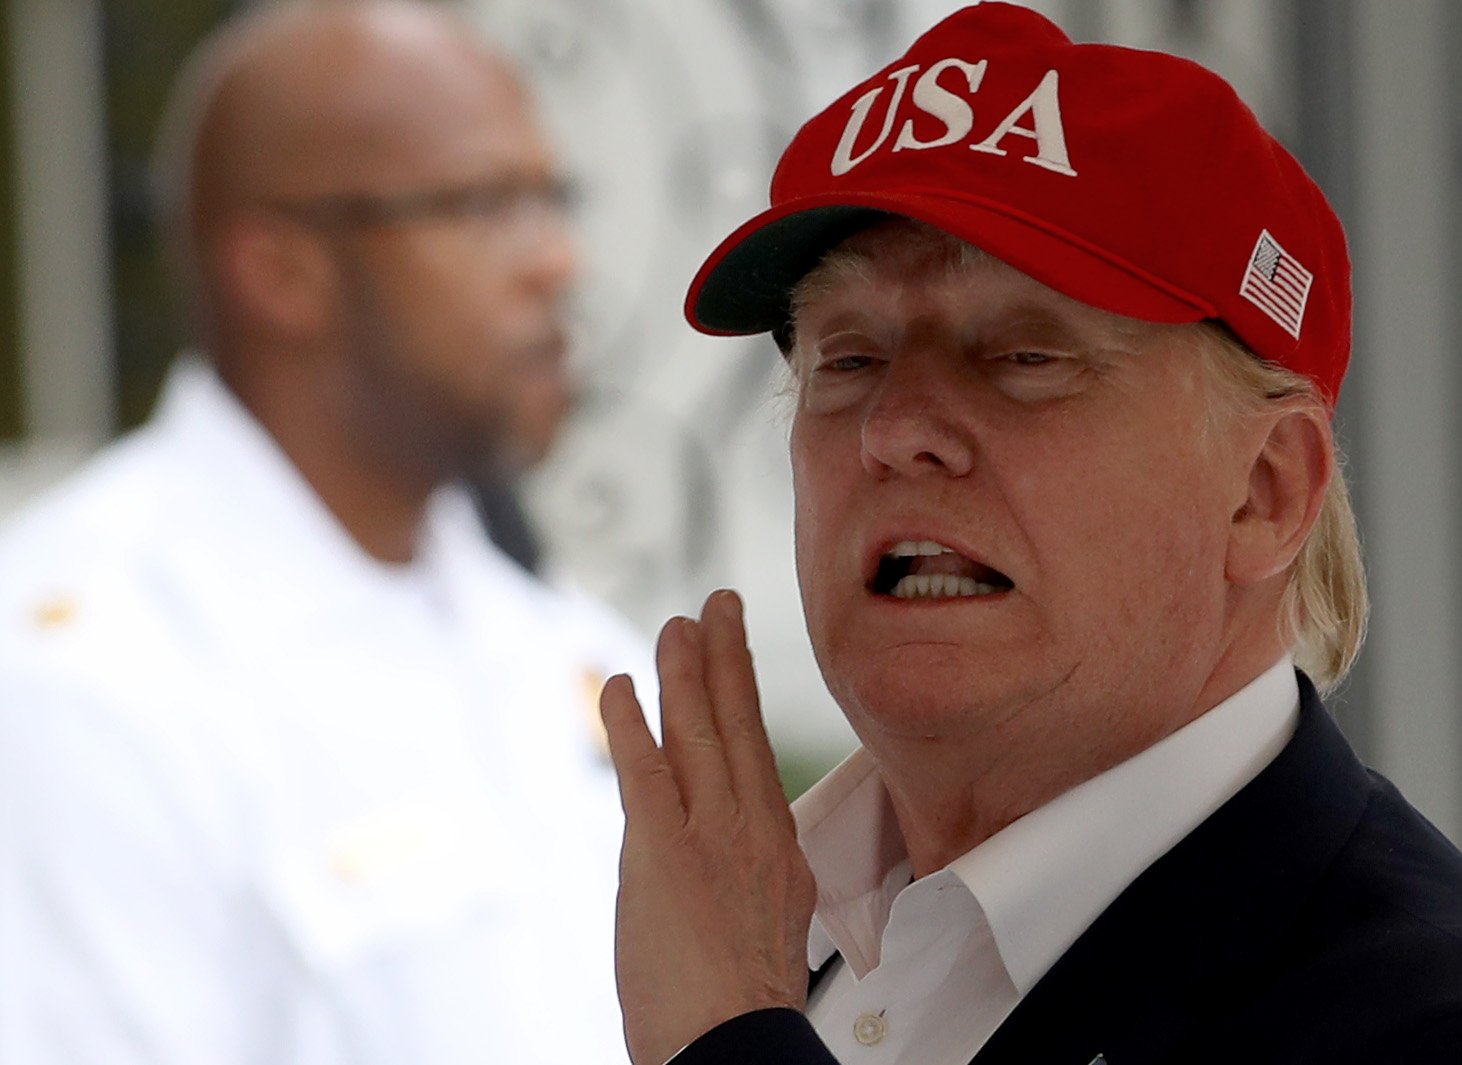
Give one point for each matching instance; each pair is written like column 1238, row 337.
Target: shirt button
column 869, row 1029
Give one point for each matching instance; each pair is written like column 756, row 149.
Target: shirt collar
column 846, row 825
column 250, row 501
column 1044, row 878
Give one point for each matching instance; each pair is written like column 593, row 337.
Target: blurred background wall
column 672, row 478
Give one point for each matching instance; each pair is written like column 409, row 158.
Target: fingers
column 645, row 781
column 731, row 687
column 716, row 755
column 693, row 745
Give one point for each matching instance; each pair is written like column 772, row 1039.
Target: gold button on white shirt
column 869, row 1029
column 941, row 962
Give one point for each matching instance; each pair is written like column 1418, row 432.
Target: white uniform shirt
column 267, row 800
column 930, row 969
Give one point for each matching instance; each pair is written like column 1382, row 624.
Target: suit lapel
column 1202, row 922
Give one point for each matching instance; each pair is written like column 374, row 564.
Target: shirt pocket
column 389, row 878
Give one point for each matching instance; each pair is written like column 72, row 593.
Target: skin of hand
column 715, row 895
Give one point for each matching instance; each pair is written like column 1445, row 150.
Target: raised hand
column 715, row 896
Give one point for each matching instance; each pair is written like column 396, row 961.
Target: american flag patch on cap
column 1277, row 284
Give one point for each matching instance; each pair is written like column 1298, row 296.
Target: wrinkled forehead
column 900, row 266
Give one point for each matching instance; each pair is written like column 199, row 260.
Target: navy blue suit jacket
column 1315, row 918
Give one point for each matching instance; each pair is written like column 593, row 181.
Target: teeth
column 940, row 586
column 910, row 548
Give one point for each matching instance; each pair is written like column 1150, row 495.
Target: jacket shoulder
column 1372, row 969
column 768, row 1037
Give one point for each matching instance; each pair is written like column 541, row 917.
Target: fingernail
column 728, row 605
column 684, row 631
column 672, row 633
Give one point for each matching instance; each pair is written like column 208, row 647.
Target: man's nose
column 915, row 426
column 550, row 262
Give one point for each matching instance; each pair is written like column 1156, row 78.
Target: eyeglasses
column 502, row 203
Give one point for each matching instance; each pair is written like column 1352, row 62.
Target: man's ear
column 279, row 272
column 1287, row 480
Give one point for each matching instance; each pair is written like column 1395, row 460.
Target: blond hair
column 1325, row 606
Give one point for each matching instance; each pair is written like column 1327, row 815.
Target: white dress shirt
column 930, row 969
column 269, row 800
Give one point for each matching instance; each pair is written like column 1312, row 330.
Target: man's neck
column 949, row 796
column 378, row 500
column 948, row 802
column 382, row 514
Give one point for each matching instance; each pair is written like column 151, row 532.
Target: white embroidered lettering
column 843, row 159
column 935, row 100
column 1044, row 107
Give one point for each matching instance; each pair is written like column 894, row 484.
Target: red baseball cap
column 1134, row 181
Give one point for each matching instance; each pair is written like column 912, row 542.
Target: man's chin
column 920, row 701
column 911, row 707
column 497, row 462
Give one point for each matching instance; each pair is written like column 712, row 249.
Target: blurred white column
column 1408, row 387
column 66, row 332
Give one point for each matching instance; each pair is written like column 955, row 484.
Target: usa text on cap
column 1135, row 181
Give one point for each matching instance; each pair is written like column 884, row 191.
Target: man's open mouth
column 926, row 569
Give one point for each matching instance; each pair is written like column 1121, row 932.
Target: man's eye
column 511, row 198
column 492, row 201
column 844, row 363
column 1029, row 358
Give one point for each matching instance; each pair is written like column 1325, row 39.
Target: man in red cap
column 1066, row 328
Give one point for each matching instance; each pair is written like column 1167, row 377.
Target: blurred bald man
column 295, row 767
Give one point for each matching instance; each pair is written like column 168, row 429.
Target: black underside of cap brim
column 749, row 290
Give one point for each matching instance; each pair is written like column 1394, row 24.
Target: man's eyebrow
column 1044, row 322
column 1101, row 328
column 837, row 268
column 1033, row 314
column 853, row 263
column 852, row 266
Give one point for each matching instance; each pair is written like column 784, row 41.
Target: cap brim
column 745, row 285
